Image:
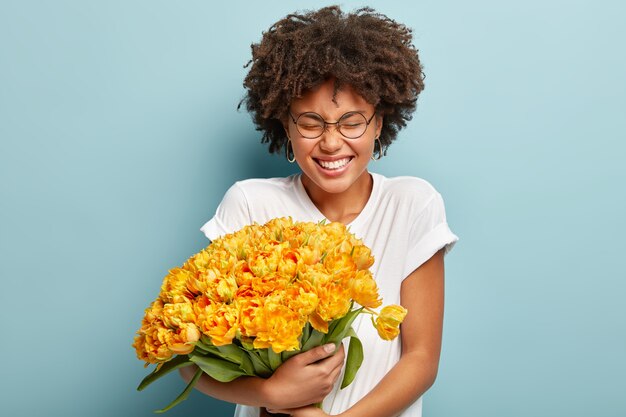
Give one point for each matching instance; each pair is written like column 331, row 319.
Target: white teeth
column 340, row 163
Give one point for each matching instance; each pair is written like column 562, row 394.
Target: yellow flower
column 388, row 321
column 340, row 266
column 362, row 257
column 226, row 288
column 363, row 289
column 261, row 285
column 250, row 316
column 309, row 255
column 334, row 301
column 174, row 287
column 301, row 298
column 220, row 323
column 264, row 262
column 183, row 340
column 150, row 344
column 280, row 329
column 175, row 315
column 288, row 264
column 335, row 231
column 200, row 261
column 243, row 275
column 318, row 323
column 157, row 342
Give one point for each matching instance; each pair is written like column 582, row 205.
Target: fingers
column 335, row 360
column 317, row 354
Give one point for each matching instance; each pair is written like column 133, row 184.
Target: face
column 332, row 163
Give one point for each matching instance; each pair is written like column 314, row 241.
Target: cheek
column 302, row 148
column 368, row 147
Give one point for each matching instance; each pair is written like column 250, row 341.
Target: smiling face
column 331, row 163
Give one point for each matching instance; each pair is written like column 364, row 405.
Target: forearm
column 243, row 390
column 413, row 375
column 303, row 379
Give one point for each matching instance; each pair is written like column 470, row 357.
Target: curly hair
column 364, row 49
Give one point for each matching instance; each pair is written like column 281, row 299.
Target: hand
column 308, row 411
column 305, row 378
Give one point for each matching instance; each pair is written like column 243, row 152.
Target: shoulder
column 413, row 191
column 252, row 188
column 265, row 184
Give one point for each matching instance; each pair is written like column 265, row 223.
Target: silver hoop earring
column 379, row 154
column 291, row 157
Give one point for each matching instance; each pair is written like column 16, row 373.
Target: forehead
column 324, row 100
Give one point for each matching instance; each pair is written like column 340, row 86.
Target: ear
column 379, row 125
column 285, row 124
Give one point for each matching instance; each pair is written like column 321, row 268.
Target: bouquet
column 254, row 298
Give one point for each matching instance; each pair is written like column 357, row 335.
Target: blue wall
column 119, row 134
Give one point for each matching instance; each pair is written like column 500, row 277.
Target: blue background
column 119, row 135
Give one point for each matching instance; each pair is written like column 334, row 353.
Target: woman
column 331, row 91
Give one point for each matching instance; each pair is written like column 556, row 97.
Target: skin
column 341, row 195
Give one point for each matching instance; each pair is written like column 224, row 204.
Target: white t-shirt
column 403, row 223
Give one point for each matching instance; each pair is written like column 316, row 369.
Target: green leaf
column 183, row 395
column 353, row 360
column 261, row 368
column 246, row 365
column 208, row 347
column 306, row 333
column 275, row 359
column 286, row 354
column 264, row 356
column 231, row 353
column 177, row 362
column 218, row 368
column 315, row 339
column 339, row 328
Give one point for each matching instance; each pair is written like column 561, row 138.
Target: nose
column 331, row 140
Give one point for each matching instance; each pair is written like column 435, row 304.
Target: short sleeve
column 231, row 215
column 429, row 233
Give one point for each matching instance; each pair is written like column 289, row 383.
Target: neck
column 340, row 207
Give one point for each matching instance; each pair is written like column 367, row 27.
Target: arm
column 422, row 293
column 303, row 379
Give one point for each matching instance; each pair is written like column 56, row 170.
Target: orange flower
column 288, row 264
column 250, row 316
column 261, row 285
column 334, row 301
column 301, row 298
column 267, row 284
column 157, row 342
column 183, row 340
column 242, row 272
column 281, row 328
column 340, row 265
column 263, row 262
column 150, row 344
column 219, row 322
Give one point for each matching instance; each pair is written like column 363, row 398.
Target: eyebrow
column 349, row 111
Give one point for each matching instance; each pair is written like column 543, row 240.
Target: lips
column 335, row 164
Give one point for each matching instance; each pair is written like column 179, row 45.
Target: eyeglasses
column 351, row 125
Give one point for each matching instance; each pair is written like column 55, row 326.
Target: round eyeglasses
column 351, row 125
